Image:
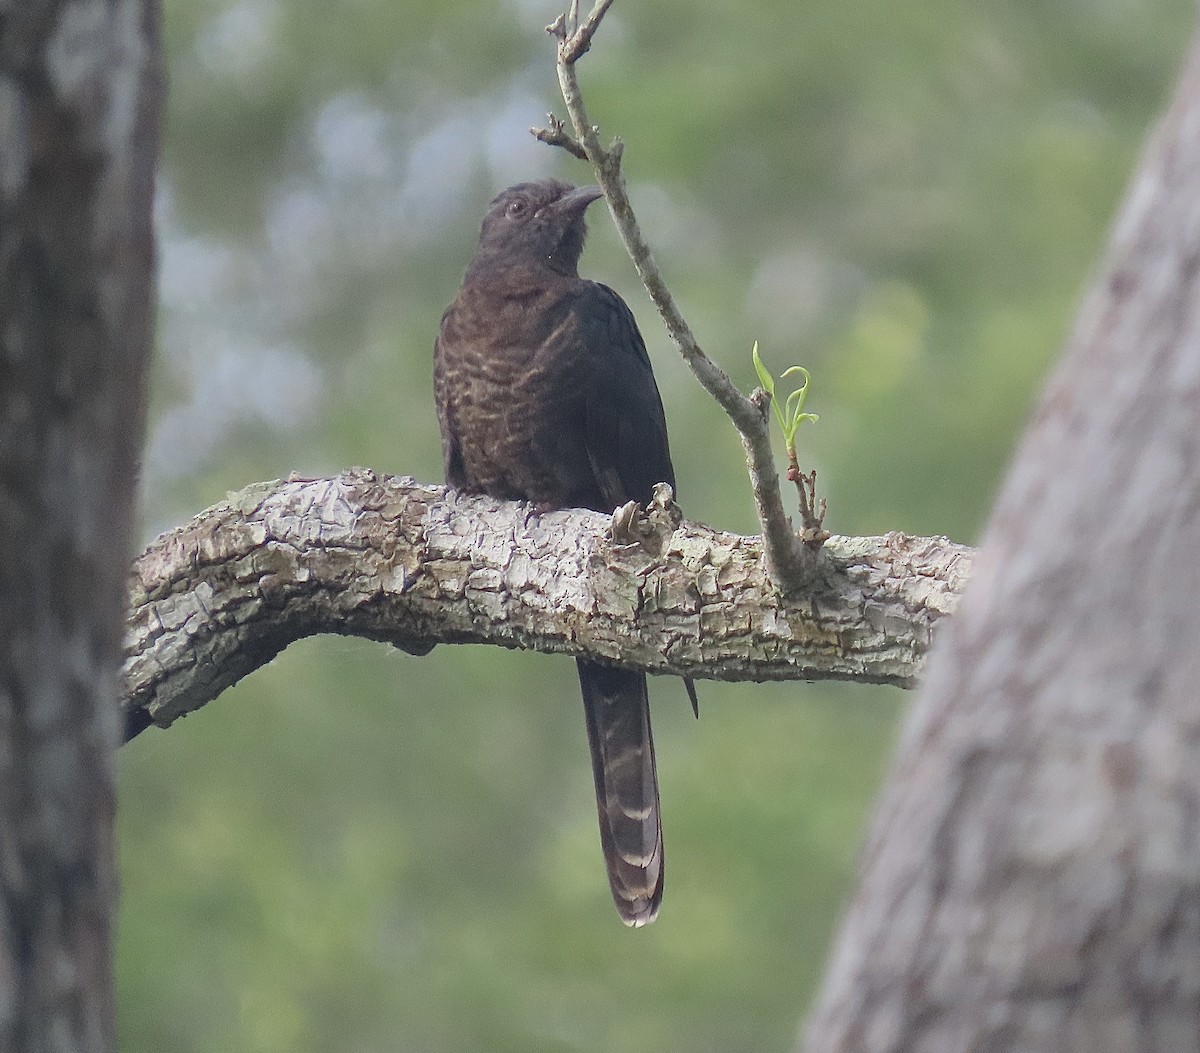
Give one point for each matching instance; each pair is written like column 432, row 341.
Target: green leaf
column 790, row 416
column 764, row 378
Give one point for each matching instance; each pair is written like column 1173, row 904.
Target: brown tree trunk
column 79, row 97
column 1032, row 881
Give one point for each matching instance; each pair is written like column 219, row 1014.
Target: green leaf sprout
column 791, row 415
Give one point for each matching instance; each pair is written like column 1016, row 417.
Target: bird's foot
column 648, row 527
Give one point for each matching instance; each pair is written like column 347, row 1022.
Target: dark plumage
column 545, row 394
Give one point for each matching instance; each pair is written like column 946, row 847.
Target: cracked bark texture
column 78, row 108
column 1032, row 882
column 390, row 559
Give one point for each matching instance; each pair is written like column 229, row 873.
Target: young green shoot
column 789, row 416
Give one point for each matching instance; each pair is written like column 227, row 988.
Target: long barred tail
column 618, row 726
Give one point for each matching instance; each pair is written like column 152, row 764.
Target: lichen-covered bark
column 1032, row 882
column 78, row 103
column 393, row 560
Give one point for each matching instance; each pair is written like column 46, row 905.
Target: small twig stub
column 555, row 134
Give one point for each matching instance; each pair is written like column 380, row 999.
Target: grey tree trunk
column 79, row 97
column 1032, row 881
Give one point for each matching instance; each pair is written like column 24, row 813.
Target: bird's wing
column 626, row 427
column 452, row 459
column 626, row 430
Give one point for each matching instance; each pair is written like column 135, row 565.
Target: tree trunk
column 79, row 97
column 1032, row 881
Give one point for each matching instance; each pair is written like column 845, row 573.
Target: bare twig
column 812, row 508
column 575, row 37
column 791, row 565
column 555, row 134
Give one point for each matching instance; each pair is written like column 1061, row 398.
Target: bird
column 545, row 394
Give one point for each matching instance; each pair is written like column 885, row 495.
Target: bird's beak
column 574, row 202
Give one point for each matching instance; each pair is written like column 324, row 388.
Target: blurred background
column 360, row 850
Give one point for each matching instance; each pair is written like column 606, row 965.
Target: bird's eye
column 517, row 207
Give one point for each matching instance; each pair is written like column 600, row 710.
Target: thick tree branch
column 791, row 564
column 390, row 559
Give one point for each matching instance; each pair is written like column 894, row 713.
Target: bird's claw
column 624, row 526
column 648, row 527
column 662, row 508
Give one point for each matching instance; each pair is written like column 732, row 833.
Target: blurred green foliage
column 356, row 849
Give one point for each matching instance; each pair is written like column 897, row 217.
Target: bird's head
column 540, row 221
